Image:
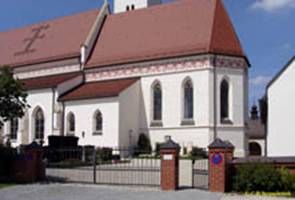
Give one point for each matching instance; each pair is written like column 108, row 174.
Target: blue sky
column 265, row 27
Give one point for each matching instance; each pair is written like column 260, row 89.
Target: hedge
column 252, row 177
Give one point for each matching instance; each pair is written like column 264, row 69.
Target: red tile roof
column 58, row 39
column 99, row 89
column 48, row 81
column 185, row 27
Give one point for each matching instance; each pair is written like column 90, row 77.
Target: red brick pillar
column 220, row 157
column 169, row 165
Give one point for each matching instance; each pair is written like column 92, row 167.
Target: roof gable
column 51, row 40
column 185, row 27
column 280, row 73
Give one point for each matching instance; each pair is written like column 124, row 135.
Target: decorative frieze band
column 125, row 71
column 230, row 62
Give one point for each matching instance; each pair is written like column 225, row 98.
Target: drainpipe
column 63, row 118
column 53, row 111
column 214, row 99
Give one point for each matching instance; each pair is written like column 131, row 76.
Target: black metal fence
column 103, row 166
column 201, row 174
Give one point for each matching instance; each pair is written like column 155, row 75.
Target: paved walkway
column 94, row 192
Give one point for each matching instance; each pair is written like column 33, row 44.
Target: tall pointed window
column 224, row 101
column 71, row 124
column 97, row 125
column 39, row 124
column 13, row 128
column 157, row 102
column 188, row 100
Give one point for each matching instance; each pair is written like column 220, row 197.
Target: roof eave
column 286, row 66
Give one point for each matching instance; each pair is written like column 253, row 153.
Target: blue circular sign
column 217, row 159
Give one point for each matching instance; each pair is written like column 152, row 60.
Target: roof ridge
column 213, row 26
column 221, row 17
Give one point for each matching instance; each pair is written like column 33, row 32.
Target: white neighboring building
column 281, row 112
column 175, row 69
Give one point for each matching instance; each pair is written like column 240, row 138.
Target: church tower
column 128, row 5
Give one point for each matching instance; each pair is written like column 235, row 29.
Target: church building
column 175, row 69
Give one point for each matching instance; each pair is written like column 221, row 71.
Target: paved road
column 91, row 192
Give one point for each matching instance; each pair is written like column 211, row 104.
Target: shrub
column 257, row 177
column 104, row 154
column 158, row 148
column 184, row 150
column 143, row 145
column 198, row 152
column 288, row 180
column 88, row 153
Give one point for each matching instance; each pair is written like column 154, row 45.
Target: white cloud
column 260, row 80
column 272, row 5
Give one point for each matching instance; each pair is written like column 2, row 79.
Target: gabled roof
column 280, row 72
column 48, row 81
column 255, row 129
column 101, row 89
column 50, row 40
column 185, row 27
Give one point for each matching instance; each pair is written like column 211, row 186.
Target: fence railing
column 103, row 166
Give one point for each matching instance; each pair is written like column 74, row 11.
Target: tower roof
column 185, row 27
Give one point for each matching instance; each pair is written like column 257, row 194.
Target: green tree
column 13, row 96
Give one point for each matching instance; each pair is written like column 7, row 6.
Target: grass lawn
column 5, row 185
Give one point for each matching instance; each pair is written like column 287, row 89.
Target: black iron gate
column 103, row 166
column 201, row 174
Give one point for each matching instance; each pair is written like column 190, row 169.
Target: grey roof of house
column 256, row 130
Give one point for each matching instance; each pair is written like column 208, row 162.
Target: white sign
column 168, row 157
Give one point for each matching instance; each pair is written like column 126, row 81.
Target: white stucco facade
column 84, row 112
column 201, row 133
column 37, row 99
column 280, row 97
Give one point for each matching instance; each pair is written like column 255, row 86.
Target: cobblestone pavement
column 95, row 192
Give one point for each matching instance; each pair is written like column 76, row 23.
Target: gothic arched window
column 224, row 100
column 188, row 100
column 157, row 102
column 132, row 7
column 39, row 124
column 13, row 128
column 127, row 8
column 71, row 124
column 97, row 123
